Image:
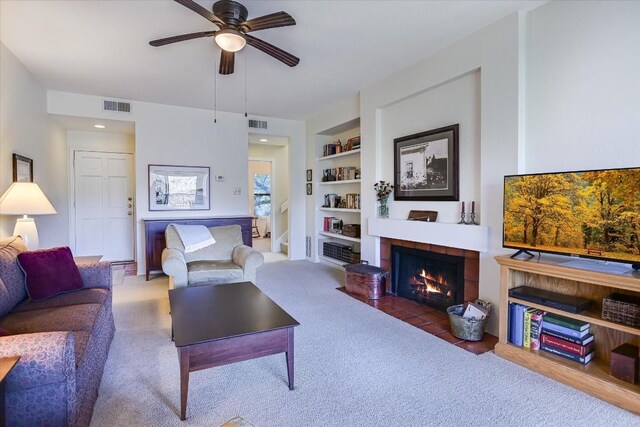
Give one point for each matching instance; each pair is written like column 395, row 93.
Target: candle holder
column 473, row 219
column 462, row 218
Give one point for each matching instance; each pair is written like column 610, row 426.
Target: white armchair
column 226, row 261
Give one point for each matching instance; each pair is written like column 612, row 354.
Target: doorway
column 103, row 205
column 261, row 202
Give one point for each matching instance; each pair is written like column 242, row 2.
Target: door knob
column 129, row 198
column 129, row 213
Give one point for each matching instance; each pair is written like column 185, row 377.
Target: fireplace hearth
column 430, row 278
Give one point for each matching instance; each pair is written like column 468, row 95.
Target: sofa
column 62, row 341
column 228, row 260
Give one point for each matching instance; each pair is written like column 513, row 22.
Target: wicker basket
column 467, row 329
column 621, row 308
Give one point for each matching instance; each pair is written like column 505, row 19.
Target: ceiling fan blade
column 270, row 49
column 273, row 20
column 181, row 38
column 190, row 4
column 227, row 59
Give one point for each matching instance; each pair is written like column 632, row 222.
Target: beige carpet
column 354, row 366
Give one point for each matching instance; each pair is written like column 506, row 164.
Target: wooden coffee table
column 222, row 324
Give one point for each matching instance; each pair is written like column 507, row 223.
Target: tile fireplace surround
column 471, row 262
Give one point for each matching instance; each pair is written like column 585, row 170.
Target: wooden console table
column 154, row 235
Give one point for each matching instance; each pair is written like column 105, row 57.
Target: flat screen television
column 590, row 214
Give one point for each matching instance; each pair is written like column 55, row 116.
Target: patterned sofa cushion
column 12, row 289
column 83, row 296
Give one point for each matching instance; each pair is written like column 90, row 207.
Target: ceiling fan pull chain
column 215, row 92
column 245, row 85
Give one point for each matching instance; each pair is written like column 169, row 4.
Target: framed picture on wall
column 22, row 168
column 426, row 165
column 309, row 175
column 174, row 188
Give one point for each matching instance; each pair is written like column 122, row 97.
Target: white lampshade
column 230, row 40
column 26, row 198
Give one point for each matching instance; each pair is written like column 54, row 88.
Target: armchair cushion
column 201, row 272
column 40, row 267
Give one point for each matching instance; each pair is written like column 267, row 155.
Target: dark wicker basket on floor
column 621, row 308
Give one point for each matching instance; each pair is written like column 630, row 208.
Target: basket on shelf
column 469, row 329
column 621, row 308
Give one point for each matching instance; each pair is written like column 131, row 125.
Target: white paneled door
column 104, row 190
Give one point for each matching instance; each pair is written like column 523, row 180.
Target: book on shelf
column 546, row 326
column 519, row 324
column 567, row 322
column 512, row 319
column 536, row 329
column 564, row 345
column 581, row 359
column 526, row 340
column 580, row 341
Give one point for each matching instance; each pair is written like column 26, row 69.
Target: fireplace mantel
column 470, row 237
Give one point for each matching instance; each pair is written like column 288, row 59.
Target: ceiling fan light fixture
column 230, row 40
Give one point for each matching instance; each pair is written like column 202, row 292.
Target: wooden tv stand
column 549, row 273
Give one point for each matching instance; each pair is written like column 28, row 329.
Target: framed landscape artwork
column 22, row 168
column 426, row 165
column 173, row 188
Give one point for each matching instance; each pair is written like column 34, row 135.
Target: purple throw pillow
column 4, row 332
column 49, row 272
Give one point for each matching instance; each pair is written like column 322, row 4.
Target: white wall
column 25, row 129
column 456, row 101
column 174, row 135
column 491, row 56
column 583, row 90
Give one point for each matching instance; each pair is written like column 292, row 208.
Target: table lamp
column 26, row 198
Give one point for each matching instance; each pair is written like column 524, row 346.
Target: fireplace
column 430, row 278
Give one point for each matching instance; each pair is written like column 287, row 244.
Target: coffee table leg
column 289, row 356
column 183, row 356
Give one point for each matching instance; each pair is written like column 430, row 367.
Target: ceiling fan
column 231, row 19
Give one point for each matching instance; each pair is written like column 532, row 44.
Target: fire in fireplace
column 430, row 278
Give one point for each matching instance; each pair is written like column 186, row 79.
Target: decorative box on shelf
column 351, row 230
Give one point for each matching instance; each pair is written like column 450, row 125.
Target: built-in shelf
column 339, row 236
column 339, row 210
column 343, row 154
column 471, row 237
column 344, row 181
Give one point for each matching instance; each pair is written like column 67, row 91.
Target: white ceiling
column 100, row 47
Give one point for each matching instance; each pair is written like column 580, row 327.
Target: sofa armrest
column 41, row 388
column 174, row 265
column 96, row 274
column 249, row 259
column 45, row 358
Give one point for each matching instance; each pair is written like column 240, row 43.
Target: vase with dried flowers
column 383, row 190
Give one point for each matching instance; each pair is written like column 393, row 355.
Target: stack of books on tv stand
column 535, row 329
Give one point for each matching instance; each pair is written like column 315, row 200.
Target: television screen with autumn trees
column 592, row 214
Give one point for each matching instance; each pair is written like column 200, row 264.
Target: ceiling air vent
column 121, row 107
column 257, row 124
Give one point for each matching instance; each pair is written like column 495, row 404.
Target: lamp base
column 26, row 228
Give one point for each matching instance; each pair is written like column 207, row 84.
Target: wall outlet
column 236, row 191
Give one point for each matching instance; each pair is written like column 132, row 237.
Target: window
column 262, row 194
